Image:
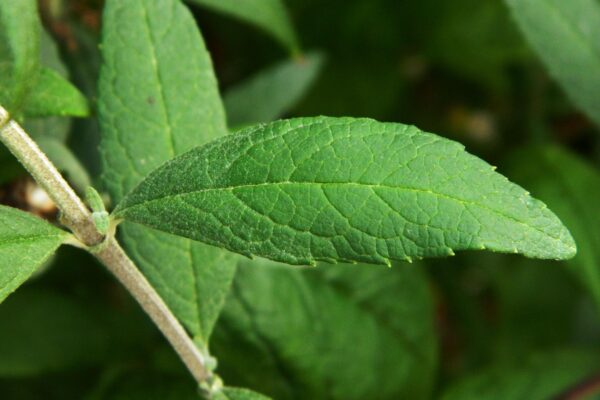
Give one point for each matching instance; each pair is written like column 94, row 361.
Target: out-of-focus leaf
column 566, row 36
column 25, row 243
column 269, row 15
column 533, row 318
column 42, row 331
column 54, row 128
column 52, row 95
column 341, row 83
column 572, row 189
column 66, row 162
column 481, row 49
column 158, row 98
column 337, row 332
column 19, row 52
column 25, row 87
column 538, row 377
column 273, row 91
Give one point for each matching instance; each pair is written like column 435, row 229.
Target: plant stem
column 77, row 217
column 75, row 214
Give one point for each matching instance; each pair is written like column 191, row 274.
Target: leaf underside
column 343, row 189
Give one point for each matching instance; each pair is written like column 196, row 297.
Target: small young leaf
column 373, row 327
column 343, row 189
column 229, row 393
column 566, row 35
column 158, row 98
column 269, row 15
column 537, row 377
column 25, row 243
column 572, row 188
column 272, row 92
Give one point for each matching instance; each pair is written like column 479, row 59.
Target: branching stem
column 77, row 217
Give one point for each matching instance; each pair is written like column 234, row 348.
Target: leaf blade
column 346, row 323
column 19, row 51
column 269, row 94
column 25, row 243
column 156, row 88
column 573, row 54
column 382, row 192
column 537, row 377
column 53, row 95
column 268, row 15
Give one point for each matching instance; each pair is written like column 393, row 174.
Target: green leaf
column 268, row 15
column 25, row 87
column 238, row 394
column 343, row 189
column 159, row 98
column 537, row 377
column 64, row 159
column 572, row 188
column 25, row 243
column 344, row 332
column 565, row 34
column 19, row 51
column 480, row 50
column 42, row 331
column 52, row 95
column 273, row 91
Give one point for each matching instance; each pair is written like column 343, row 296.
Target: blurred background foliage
column 473, row 326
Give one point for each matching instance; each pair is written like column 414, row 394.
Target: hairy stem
column 77, row 217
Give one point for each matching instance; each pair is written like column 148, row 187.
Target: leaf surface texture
column 158, row 98
column 343, row 189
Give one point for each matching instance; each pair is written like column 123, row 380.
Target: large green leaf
column 273, row 91
column 269, row 15
column 572, row 188
column 343, row 189
column 566, row 35
column 538, row 377
column 25, row 87
column 344, row 332
column 25, row 243
column 158, row 98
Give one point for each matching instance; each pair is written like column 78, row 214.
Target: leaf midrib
column 30, row 238
column 119, row 210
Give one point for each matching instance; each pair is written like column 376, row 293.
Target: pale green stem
column 77, row 217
